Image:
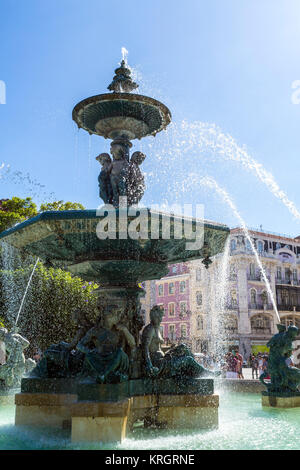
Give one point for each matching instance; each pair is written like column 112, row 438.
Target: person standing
column 240, row 361
column 254, row 366
column 260, row 364
column 231, row 366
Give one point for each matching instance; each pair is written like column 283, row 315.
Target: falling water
column 29, row 185
column 27, row 287
column 226, row 145
column 211, row 183
column 185, row 144
column 76, row 156
column 8, row 262
column 220, row 289
column 89, row 152
column 124, row 54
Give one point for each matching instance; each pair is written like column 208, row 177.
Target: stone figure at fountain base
column 104, row 347
column 285, row 379
column 62, row 360
column 16, row 365
column 178, row 362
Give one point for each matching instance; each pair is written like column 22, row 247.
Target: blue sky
column 228, row 62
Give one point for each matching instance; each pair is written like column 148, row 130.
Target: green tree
column 16, row 210
column 52, row 296
column 61, row 206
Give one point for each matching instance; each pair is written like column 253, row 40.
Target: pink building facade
column 172, row 293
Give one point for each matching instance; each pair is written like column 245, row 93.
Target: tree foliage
column 53, row 293
column 15, row 210
column 51, row 298
column 61, row 206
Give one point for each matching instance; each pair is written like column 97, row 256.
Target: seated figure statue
column 62, row 360
column 285, row 379
column 177, row 362
column 16, row 365
column 104, row 347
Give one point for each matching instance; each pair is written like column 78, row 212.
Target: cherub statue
column 135, row 179
column 118, row 172
column 105, row 187
column 121, row 177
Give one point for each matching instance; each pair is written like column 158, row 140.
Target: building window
column 253, row 297
column 182, row 287
column 198, row 274
column 248, row 245
column 171, row 334
column 252, row 270
column 199, row 298
column 260, row 323
column 264, row 297
column 295, row 275
column 171, row 288
column 161, row 289
column 182, row 308
column 183, row 331
column 233, row 298
column 233, row 244
column 200, row 323
column 231, row 325
column 285, row 297
column 278, row 273
column 260, row 247
column 161, row 306
column 232, row 272
column 287, row 274
column 171, row 309
column 174, row 269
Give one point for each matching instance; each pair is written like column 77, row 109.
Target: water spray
column 211, row 183
column 27, row 287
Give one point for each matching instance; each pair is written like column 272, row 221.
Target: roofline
column 265, row 234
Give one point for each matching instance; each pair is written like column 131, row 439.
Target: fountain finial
column 122, row 81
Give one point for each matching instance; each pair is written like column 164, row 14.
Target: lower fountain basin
column 70, row 237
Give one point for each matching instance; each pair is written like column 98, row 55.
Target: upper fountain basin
column 113, row 115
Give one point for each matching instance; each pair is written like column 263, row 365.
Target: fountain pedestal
column 100, row 422
column 280, row 401
column 44, row 409
column 107, row 412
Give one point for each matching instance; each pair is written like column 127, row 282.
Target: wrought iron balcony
column 287, row 282
column 288, row 307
